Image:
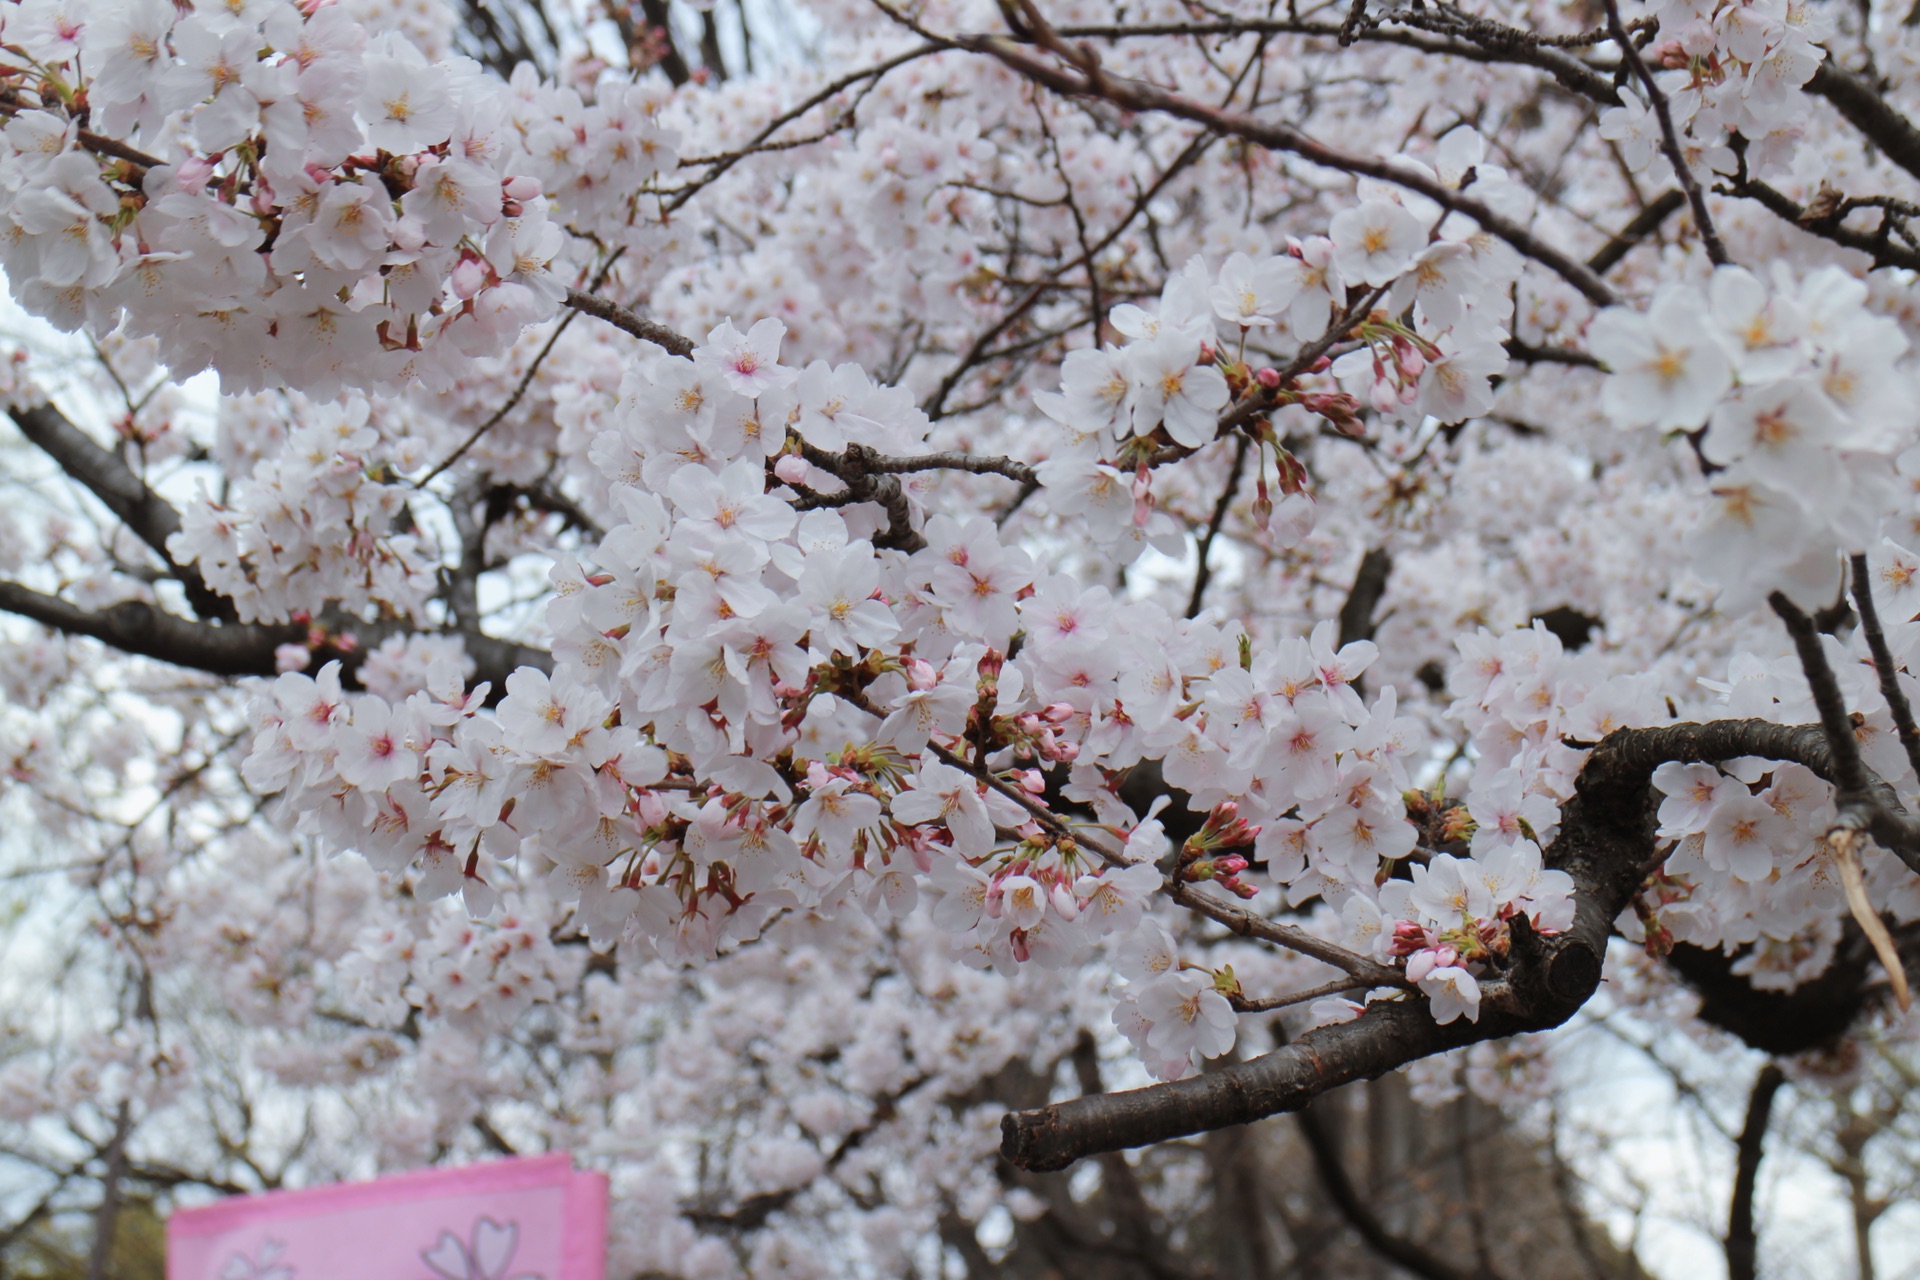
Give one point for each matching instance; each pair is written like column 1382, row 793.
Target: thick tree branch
column 868, row 483
column 1868, row 110
column 1742, row 1240
column 1357, row 619
column 1605, row 842
column 236, row 649
column 106, row 475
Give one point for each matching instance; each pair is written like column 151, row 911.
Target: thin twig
column 1883, row 662
column 1669, row 138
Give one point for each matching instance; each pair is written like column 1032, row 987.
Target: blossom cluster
column 1209, row 342
column 756, row 707
column 1723, row 68
column 269, row 192
column 312, row 525
column 1791, row 391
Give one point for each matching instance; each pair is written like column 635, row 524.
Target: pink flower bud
column 920, row 675
column 792, row 468
column 1066, row 752
column 1268, row 378
column 408, row 234
column 1421, row 963
column 1059, row 712
column 1018, row 938
column 1033, row 782
column 1063, row 901
column 521, row 187
column 469, row 278
column 193, row 173
column 292, row 657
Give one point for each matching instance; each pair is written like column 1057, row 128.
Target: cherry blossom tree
column 672, row 581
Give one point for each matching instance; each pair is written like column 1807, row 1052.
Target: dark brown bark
column 240, row 649
column 1742, row 1240
column 1605, row 843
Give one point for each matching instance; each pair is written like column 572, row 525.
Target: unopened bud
column 469, row 278
column 1268, row 378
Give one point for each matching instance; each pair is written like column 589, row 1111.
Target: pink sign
column 529, row 1219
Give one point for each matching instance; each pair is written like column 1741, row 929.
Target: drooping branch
column 1742, row 1240
column 1605, row 842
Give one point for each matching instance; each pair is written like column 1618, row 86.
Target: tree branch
column 1669, row 138
column 1883, row 663
column 1605, row 840
column 106, row 475
column 141, row 629
column 1090, row 80
column 1742, row 1241
column 1868, row 110
column 621, row 318
column 1399, row 1250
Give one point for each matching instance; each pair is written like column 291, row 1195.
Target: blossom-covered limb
column 1884, row 250
column 1606, row 832
column 1238, row 920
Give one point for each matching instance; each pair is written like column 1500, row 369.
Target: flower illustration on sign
column 485, row 1257
column 265, row 1265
